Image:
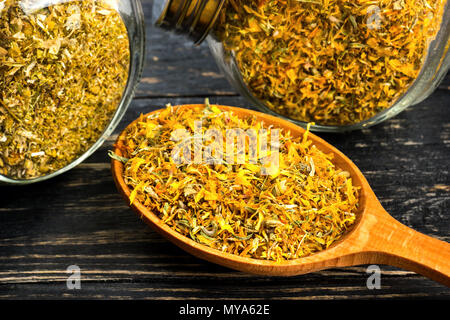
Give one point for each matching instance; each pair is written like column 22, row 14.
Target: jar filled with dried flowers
column 67, row 74
column 343, row 65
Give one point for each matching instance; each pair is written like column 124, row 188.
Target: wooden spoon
column 375, row 238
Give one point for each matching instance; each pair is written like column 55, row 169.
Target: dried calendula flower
column 301, row 207
column 63, row 70
column 331, row 62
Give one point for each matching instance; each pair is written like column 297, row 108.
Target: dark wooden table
column 79, row 218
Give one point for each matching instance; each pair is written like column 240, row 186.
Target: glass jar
column 341, row 65
column 68, row 71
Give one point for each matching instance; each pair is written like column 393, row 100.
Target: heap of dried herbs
column 301, row 207
column 63, row 70
column 332, row 62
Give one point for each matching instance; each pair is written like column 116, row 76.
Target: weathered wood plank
column 169, row 288
column 176, row 67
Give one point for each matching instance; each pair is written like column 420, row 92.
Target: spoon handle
column 395, row 244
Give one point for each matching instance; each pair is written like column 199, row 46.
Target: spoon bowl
column 374, row 238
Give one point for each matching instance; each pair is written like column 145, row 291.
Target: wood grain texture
column 175, row 67
column 79, row 217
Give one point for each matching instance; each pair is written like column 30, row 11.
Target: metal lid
column 195, row 18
